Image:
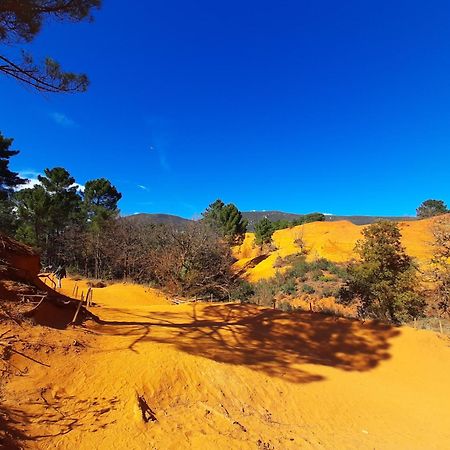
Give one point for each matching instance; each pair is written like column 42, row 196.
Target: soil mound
column 331, row 240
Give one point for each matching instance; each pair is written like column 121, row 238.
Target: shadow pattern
column 277, row 343
column 50, row 415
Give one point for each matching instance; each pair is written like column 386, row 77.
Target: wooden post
column 76, row 312
column 440, row 326
column 89, row 297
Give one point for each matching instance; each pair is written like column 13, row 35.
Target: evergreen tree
column 9, row 180
column 21, row 21
column 65, row 200
column 383, row 282
column 264, row 230
column 430, row 208
column 226, row 220
column 233, row 224
column 212, row 215
column 47, row 211
column 100, row 199
column 33, row 205
column 100, row 205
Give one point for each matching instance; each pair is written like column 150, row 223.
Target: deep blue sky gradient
column 338, row 107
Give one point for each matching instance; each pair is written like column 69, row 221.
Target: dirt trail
column 229, row 376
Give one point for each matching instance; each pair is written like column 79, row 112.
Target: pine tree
column 9, row 180
column 226, row 220
column 264, row 230
column 21, row 21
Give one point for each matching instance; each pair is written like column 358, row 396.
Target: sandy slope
column 229, row 376
column 332, row 240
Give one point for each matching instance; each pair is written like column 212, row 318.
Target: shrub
column 242, row 291
column 264, row 293
column 384, row 282
column 286, row 307
column 307, row 289
column 288, row 287
column 316, row 274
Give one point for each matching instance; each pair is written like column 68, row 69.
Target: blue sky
column 339, row 107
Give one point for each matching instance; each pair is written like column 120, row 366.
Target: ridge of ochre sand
column 331, row 240
column 234, row 376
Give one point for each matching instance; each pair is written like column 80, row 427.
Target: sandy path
column 229, row 376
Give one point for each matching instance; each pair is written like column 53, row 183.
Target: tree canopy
column 9, row 180
column 226, row 220
column 383, row 283
column 20, row 22
column 430, row 208
column 264, row 230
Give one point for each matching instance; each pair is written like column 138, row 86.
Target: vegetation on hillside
column 384, row 283
column 439, row 272
column 431, row 208
column 82, row 229
column 265, row 228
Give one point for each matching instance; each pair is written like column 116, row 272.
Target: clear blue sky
column 338, row 107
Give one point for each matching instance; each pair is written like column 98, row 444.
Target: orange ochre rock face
column 331, row 240
column 20, row 256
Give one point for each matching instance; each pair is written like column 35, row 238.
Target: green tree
column 264, row 230
column 226, row 220
column 440, row 263
column 9, row 180
column 65, row 203
column 384, row 282
column 430, row 208
column 100, row 199
column 20, row 22
column 234, row 225
column 100, row 205
column 33, row 205
column 47, row 211
column 211, row 216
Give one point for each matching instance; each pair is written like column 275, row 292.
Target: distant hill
column 256, row 216
column 167, row 219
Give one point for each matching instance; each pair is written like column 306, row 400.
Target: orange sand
column 332, row 240
column 228, row 377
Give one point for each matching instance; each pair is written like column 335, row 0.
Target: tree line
column 82, row 229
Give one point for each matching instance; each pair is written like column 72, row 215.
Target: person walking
column 60, row 273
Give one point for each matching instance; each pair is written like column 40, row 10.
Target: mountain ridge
column 255, row 216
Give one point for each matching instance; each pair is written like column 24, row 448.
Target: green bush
column 288, row 287
column 264, row 293
column 316, row 274
column 242, row 291
column 384, row 283
column 307, row 289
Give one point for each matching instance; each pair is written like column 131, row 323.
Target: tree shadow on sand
column 275, row 342
column 51, row 416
